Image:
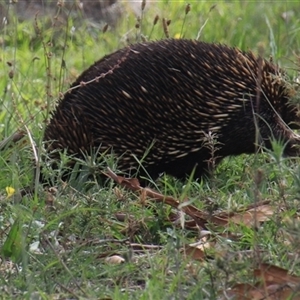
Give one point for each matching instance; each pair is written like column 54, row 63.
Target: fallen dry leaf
column 274, row 283
column 254, row 216
column 275, row 275
column 245, row 291
column 193, row 253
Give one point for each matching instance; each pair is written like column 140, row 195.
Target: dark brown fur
column 170, row 94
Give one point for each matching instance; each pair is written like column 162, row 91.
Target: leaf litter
column 269, row 281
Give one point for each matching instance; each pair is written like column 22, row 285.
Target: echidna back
column 159, row 102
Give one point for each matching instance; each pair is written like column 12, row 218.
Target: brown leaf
column 193, row 252
column 253, row 216
column 275, row 275
column 245, row 291
column 274, row 283
column 276, row 291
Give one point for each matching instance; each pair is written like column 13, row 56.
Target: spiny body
column 163, row 98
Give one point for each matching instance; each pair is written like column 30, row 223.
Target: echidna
column 159, row 101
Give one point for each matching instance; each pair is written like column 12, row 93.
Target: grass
column 55, row 244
